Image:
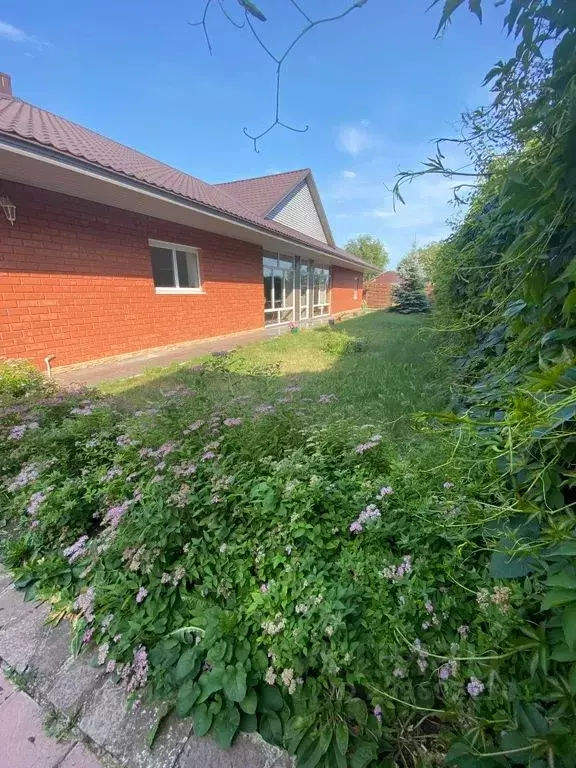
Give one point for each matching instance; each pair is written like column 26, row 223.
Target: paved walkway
column 73, row 697
column 135, row 363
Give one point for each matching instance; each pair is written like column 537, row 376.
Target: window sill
column 179, row 291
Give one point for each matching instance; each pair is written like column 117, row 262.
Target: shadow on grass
column 381, row 367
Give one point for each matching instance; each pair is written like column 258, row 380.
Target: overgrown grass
column 381, row 366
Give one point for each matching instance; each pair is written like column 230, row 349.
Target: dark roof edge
column 8, row 139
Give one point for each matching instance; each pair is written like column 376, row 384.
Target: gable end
column 299, row 211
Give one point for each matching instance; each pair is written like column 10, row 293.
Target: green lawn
column 381, row 366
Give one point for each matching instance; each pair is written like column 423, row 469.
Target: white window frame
column 189, row 250
column 323, row 306
column 284, row 308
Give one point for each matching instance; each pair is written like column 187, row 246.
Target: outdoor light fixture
column 9, row 209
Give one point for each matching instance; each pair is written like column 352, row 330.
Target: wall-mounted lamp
column 8, row 208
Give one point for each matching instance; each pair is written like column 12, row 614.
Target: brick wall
column 76, row 281
column 343, row 290
column 378, row 295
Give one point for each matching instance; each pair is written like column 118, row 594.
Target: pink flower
column 356, row 527
column 385, row 491
column 141, row 595
column 87, row 636
column 475, row 687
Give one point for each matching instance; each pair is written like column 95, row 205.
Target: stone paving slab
column 23, row 629
column 73, row 685
column 77, row 689
column 80, row 757
column 248, row 751
column 6, row 688
column 123, row 733
column 22, row 736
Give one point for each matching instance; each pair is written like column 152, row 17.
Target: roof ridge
column 265, row 176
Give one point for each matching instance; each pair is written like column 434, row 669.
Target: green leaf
column 188, row 664
column 248, row 723
column 476, row 8
column 558, row 334
column 234, row 682
column 211, row 681
column 252, row 9
column 363, row 754
column 511, row 742
column 201, row 719
column 558, row 597
column 356, row 709
column 341, row 735
column 226, row 723
column 334, row 758
column 242, row 650
column 271, row 728
column 566, row 579
column 563, row 653
column 530, row 719
column 249, row 702
column 217, row 652
column 504, row 566
column 566, row 549
column 295, row 729
column 270, row 699
column 188, row 694
column 310, row 753
column 569, row 625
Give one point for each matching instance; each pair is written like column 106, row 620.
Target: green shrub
column 20, row 379
column 260, row 571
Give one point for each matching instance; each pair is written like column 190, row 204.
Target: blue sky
column 375, row 89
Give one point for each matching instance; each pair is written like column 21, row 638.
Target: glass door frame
column 279, row 266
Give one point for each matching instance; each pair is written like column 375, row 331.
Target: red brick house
column 110, row 251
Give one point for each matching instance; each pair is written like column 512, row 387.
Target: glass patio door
column 278, row 289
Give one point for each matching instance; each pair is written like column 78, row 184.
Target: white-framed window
column 175, row 267
column 278, row 272
column 356, row 287
column 321, row 291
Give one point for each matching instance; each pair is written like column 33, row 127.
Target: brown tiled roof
column 386, row 278
column 263, row 193
column 24, row 121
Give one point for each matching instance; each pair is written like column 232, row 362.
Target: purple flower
column 194, row 426
column 207, row 455
column 124, row 441
column 398, row 672
column 327, row 398
column 264, row 588
column 184, row 469
column 378, row 712
column 85, row 408
column 87, row 636
column 115, row 514
column 429, row 607
column 463, row 631
column 262, row 409
column 356, row 527
column 27, row 475
column 385, row 491
column 293, row 388
column 34, row 523
column 235, row 422
column 17, row 432
column 138, row 670
column 448, row 485
column 475, row 687
column 76, row 550
column 448, row 670
column 36, row 500
column 84, row 603
column 141, row 595
column 112, row 473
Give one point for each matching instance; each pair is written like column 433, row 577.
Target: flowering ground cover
column 272, row 543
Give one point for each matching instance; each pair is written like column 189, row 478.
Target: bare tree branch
column 278, row 60
column 202, row 24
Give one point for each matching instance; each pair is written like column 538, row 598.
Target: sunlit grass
column 380, row 366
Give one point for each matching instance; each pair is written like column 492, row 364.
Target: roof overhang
column 25, row 162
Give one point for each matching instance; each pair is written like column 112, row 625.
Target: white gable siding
column 299, row 212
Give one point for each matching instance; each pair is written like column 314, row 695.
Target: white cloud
column 355, row 138
column 17, row 35
column 348, row 174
